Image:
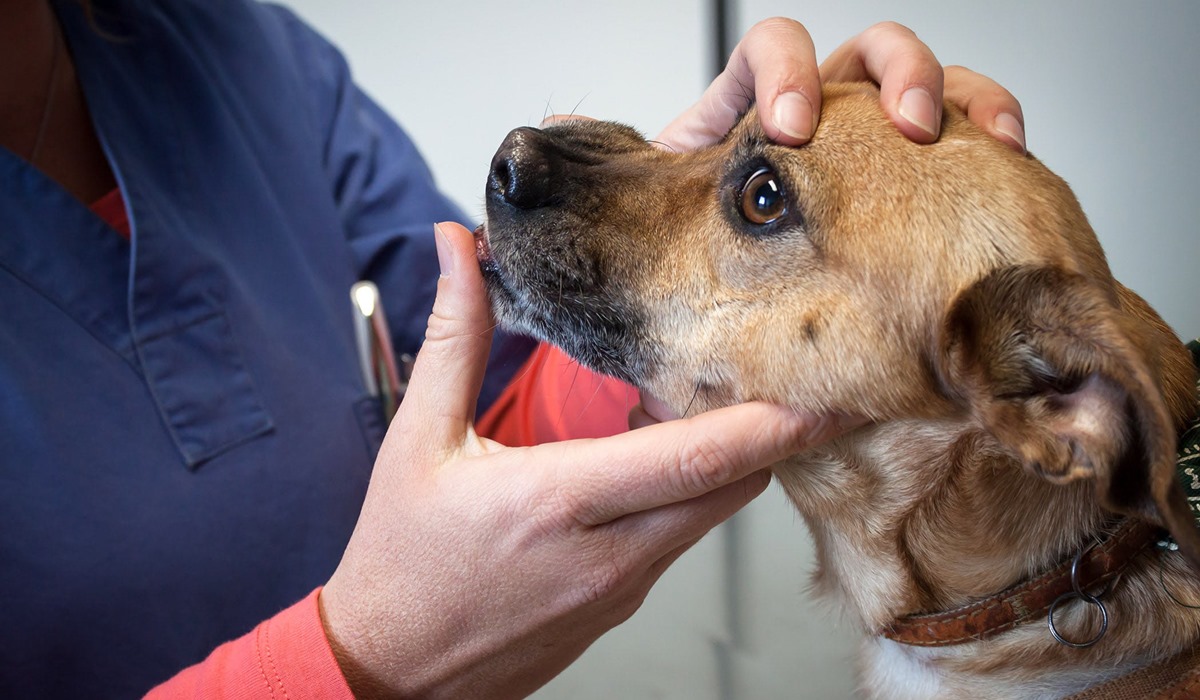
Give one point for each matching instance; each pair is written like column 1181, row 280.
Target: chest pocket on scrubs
column 202, row 387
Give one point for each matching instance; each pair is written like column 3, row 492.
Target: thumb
column 444, row 387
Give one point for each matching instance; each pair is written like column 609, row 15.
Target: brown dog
column 1026, row 405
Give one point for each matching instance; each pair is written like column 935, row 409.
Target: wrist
column 351, row 650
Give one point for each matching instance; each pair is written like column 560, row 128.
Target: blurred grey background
column 1110, row 91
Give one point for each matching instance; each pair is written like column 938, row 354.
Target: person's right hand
column 478, row 570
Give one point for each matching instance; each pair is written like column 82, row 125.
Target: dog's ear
column 1074, row 388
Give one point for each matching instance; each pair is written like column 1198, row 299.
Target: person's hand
column 775, row 66
column 480, row 570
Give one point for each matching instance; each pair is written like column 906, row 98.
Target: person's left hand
column 775, row 67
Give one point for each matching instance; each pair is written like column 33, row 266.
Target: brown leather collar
column 1025, row 601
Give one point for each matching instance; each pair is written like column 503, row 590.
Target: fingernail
column 793, row 115
column 445, row 252
column 916, row 105
column 1010, row 126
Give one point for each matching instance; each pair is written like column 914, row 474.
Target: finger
column 631, row 554
column 448, row 373
column 987, row 104
column 680, row 460
column 909, row 76
column 649, row 535
column 658, row 568
column 653, row 573
column 775, row 66
column 628, row 594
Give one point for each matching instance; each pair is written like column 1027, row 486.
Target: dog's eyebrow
column 751, row 139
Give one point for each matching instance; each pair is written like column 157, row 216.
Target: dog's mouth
column 483, row 249
column 502, row 296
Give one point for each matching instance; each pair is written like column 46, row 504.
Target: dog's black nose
column 524, row 169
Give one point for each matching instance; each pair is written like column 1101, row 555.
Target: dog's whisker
column 695, row 393
column 746, row 97
column 747, row 90
column 524, row 373
column 592, row 398
column 575, row 110
column 571, row 387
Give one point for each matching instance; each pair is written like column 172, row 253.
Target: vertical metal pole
column 722, row 26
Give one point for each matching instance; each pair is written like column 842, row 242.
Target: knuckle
column 560, row 511
column 892, row 46
column 997, row 93
column 966, row 82
column 603, row 581
column 957, row 72
column 919, row 59
column 702, row 466
column 439, row 328
column 628, row 604
column 569, row 505
column 888, row 31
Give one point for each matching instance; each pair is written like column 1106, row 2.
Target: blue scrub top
column 185, row 435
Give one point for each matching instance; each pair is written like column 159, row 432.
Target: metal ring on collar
column 1086, row 597
column 1093, row 600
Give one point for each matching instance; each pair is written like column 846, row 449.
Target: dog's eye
column 762, row 198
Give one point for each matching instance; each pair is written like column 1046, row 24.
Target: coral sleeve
column 285, row 657
column 552, row 398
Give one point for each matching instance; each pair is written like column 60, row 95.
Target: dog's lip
column 483, row 254
column 483, row 250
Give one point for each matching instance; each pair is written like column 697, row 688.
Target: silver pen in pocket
column 384, row 377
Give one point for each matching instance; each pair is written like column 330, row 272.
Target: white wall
column 1110, row 91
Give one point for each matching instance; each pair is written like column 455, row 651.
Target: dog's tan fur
column 954, row 294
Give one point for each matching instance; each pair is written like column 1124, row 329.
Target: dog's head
column 860, row 273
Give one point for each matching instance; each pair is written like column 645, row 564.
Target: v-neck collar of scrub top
column 83, row 267
column 174, row 333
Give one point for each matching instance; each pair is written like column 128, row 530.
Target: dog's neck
column 964, row 524
column 896, row 538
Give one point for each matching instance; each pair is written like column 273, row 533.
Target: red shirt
column 111, row 208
